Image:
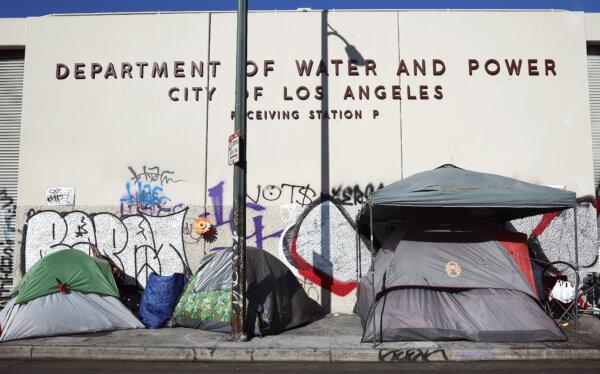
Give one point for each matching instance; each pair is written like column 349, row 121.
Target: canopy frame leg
column 576, row 273
column 372, row 271
column 358, row 248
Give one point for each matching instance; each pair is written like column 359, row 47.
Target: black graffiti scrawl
column 7, row 242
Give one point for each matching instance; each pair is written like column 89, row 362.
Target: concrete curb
column 222, row 354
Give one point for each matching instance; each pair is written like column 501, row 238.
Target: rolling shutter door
column 11, row 93
column 594, row 84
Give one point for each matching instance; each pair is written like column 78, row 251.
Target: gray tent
column 65, row 292
column 276, row 300
column 443, row 282
column 64, row 314
column 435, row 283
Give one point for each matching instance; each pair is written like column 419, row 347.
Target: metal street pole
column 238, row 289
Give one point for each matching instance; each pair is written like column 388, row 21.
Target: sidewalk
column 331, row 339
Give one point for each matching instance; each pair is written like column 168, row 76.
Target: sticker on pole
column 234, row 148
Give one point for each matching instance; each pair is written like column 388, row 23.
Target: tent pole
column 576, row 274
column 372, row 269
column 358, row 269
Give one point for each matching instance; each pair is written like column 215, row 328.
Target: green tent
column 74, row 269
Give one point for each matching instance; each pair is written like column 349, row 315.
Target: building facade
column 114, row 129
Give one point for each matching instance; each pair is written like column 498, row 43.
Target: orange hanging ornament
column 202, row 225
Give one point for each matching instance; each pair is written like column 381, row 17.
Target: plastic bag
column 160, row 298
column 563, row 292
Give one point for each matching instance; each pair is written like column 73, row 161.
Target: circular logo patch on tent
column 453, row 269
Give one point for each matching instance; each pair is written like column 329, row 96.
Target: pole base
column 243, row 337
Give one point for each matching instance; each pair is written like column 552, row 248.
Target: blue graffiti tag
column 145, row 198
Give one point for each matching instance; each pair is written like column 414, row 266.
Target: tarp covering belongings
column 276, row 300
column 436, row 279
column 130, row 291
column 67, row 292
column 450, row 282
column 160, row 298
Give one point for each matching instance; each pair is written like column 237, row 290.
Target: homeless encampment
column 443, row 273
column 276, row 300
column 66, row 292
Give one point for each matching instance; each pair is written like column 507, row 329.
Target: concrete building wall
column 13, row 32
column 592, row 27
column 146, row 158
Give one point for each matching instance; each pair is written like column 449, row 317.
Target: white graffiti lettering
column 139, row 244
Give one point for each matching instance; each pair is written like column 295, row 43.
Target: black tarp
column 276, row 300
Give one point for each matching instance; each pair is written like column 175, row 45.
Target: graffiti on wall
column 295, row 199
column 144, row 192
column 223, row 219
column 284, row 192
column 139, row 244
column 7, row 234
column 320, row 243
column 321, row 246
column 190, row 236
column 155, row 174
column 304, row 195
column 552, row 236
column 353, row 195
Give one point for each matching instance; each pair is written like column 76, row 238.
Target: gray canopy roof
column 480, row 194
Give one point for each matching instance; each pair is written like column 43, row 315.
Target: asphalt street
column 72, row 367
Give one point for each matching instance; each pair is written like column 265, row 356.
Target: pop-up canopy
column 483, row 195
column 452, row 193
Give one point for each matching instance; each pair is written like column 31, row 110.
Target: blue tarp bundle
column 160, row 298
